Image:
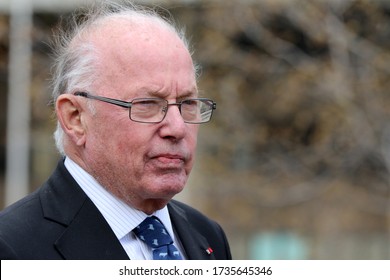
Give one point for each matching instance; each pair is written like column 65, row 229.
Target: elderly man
column 128, row 112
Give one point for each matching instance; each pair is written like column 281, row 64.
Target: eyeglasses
column 154, row 110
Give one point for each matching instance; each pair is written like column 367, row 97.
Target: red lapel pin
column 209, row 250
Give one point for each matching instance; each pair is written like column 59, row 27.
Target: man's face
column 143, row 164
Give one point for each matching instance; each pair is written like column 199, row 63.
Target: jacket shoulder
column 19, row 223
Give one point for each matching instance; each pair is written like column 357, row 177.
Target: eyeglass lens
column 153, row 110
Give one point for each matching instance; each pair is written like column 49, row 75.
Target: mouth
column 169, row 159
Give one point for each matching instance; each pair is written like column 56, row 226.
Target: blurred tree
column 300, row 139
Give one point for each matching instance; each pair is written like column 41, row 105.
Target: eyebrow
column 184, row 95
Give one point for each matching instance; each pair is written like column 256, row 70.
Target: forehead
column 144, row 52
column 125, row 34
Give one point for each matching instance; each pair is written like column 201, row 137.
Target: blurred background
column 296, row 161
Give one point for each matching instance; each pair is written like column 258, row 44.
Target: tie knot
column 153, row 233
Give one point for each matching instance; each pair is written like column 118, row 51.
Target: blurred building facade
column 296, row 162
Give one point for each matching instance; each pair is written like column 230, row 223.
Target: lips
column 169, row 160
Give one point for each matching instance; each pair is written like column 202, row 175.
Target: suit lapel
column 89, row 237
column 86, row 233
column 194, row 244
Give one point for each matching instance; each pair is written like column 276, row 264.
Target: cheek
column 192, row 144
column 114, row 139
column 129, row 146
column 193, row 136
column 132, row 145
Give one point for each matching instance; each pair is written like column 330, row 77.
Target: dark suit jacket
column 59, row 221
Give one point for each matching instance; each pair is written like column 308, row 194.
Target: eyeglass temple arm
column 117, row 102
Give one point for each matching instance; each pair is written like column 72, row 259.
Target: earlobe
column 69, row 114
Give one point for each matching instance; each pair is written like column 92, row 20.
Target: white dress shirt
column 120, row 216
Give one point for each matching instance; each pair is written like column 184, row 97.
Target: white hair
column 75, row 64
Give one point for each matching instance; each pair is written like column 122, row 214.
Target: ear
column 70, row 115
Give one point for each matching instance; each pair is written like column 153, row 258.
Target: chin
column 170, row 183
column 168, row 191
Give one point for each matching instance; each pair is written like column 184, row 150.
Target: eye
column 146, row 109
column 190, row 102
column 146, row 102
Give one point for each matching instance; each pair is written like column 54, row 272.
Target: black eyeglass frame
column 128, row 105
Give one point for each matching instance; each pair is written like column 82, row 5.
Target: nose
column 173, row 126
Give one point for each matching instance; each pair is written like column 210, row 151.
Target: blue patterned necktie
column 154, row 234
